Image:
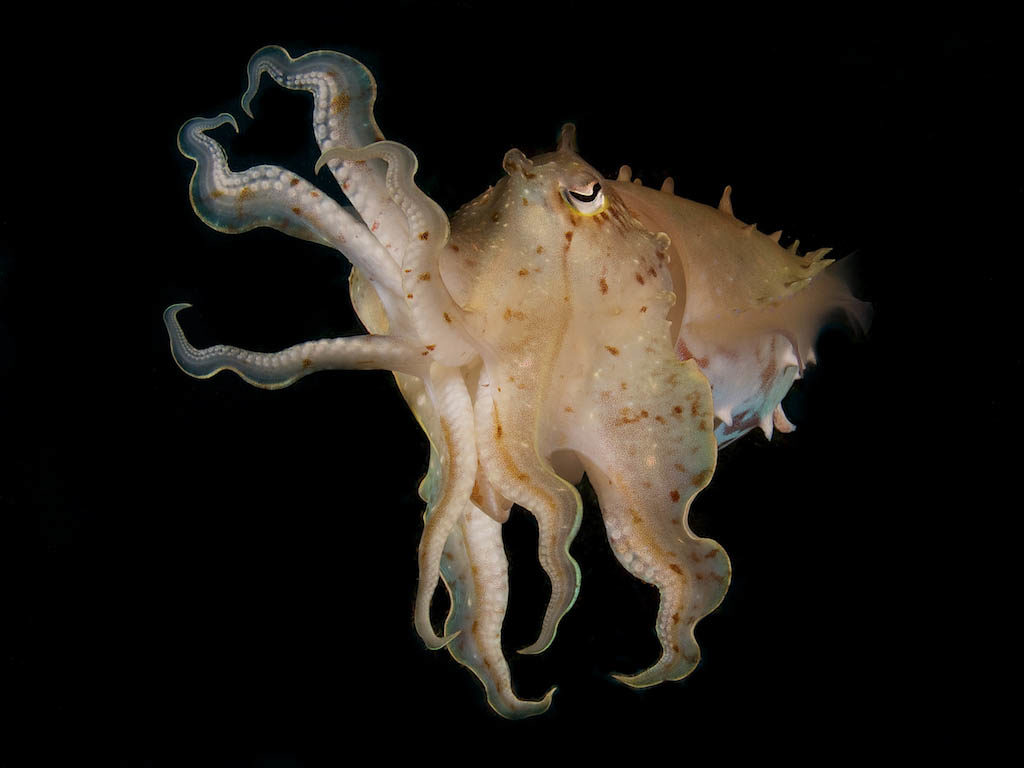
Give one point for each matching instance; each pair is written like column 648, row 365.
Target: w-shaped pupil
column 586, row 198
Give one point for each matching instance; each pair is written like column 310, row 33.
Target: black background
column 203, row 568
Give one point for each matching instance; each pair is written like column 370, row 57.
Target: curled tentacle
column 518, row 473
column 476, row 572
column 437, row 318
column 343, row 95
column 457, row 463
column 270, row 196
column 645, row 498
column 274, row 370
column 691, row 574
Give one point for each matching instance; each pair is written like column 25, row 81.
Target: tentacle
column 343, row 95
column 274, row 370
column 691, row 574
column 518, row 473
column 645, row 498
column 458, row 470
column 476, row 572
column 270, row 196
column 438, row 319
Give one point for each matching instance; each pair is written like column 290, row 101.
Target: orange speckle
column 297, row 211
column 306, row 363
column 540, row 249
column 643, row 309
column 613, row 350
column 293, row 182
column 603, row 284
column 524, row 272
column 339, row 103
column 424, row 235
column 245, row 194
column 425, row 276
column 639, row 278
column 447, row 319
column 674, row 495
column 676, row 568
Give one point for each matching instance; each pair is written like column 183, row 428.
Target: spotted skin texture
column 561, row 323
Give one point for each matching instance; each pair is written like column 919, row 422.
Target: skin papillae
column 559, row 324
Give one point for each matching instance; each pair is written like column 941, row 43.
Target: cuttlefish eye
column 587, row 200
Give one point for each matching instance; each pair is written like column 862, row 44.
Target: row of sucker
column 343, row 95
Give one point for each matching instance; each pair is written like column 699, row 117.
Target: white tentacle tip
column 172, row 311
column 447, row 639
column 435, row 642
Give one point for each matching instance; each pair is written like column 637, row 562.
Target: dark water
column 199, row 562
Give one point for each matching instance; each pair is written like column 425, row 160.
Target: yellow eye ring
column 589, row 203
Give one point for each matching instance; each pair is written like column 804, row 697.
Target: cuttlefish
column 560, row 324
